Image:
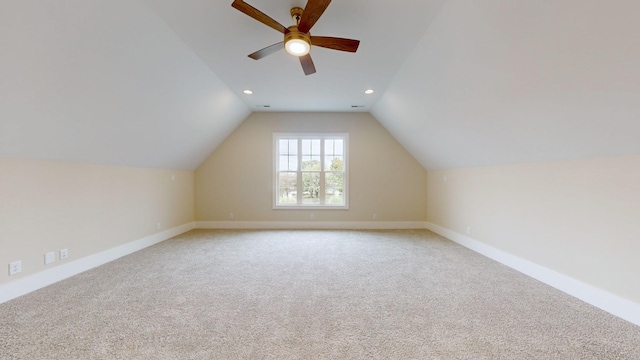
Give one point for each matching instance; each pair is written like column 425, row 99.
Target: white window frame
column 300, row 137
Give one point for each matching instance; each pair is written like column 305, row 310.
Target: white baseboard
column 312, row 225
column 590, row 294
column 602, row 299
column 39, row 280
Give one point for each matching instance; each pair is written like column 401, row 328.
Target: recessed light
column 369, row 92
column 248, row 92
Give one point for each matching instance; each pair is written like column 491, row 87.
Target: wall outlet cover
column 49, row 257
column 15, row 267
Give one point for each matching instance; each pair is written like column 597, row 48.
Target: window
column 310, row 171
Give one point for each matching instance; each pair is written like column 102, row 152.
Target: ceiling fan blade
column 341, row 44
column 307, row 65
column 258, row 15
column 312, row 13
column 267, row 51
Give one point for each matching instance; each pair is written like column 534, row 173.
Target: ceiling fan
column 297, row 38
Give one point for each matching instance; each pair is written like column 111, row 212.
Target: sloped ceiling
column 106, row 82
column 158, row 83
column 496, row 82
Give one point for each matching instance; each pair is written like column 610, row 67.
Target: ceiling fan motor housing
column 295, row 42
column 295, row 34
column 296, row 14
column 299, row 38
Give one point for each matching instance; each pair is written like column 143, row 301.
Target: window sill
column 310, row 207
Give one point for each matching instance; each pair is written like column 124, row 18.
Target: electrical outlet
column 15, row 267
column 312, row 216
column 230, row 216
column 158, row 226
column 49, row 257
column 64, row 253
column 374, row 216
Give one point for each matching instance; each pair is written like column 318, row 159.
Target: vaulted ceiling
column 158, row 83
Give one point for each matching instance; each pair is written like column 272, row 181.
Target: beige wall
column 579, row 218
column 48, row 206
column 237, row 177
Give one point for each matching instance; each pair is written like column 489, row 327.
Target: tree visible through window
column 310, row 170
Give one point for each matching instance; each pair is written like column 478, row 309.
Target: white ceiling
column 223, row 37
column 158, row 83
column 498, row 82
column 106, row 82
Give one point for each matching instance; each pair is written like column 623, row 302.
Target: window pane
column 288, row 146
column 288, row 163
column 288, row 151
column 293, row 163
column 329, row 148
column 311, row 188
column 283, row 164
column 287, row 188
column 311, row 163
column 311, row 147
column 334, row 155
column 333, row 163
column 306, row 147
column 334, row 147
column 339, row 147
column 311, row 155
column 334, row 186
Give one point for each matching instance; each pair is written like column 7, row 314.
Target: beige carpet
column 308, row 295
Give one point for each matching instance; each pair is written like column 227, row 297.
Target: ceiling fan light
column 297, row 47
column 297, row 43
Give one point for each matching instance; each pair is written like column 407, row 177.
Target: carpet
column 222, row 294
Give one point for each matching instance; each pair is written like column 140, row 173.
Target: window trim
column 299, row 136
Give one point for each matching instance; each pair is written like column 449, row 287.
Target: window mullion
column 322, row 184
column 300, row 185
